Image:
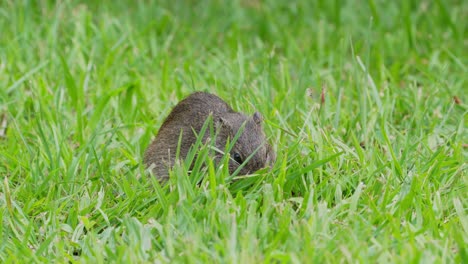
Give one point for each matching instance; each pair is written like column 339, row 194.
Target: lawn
column 365, row 104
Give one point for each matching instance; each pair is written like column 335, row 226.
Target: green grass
column 365, row 103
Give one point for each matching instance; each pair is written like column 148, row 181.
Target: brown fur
column 189, row 116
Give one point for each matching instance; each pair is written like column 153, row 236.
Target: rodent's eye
column 237, row 157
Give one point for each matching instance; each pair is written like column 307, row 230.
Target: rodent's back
column 194, row 109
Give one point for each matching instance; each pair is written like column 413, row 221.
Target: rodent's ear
column 257, row 118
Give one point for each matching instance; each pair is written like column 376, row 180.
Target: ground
column 365, row 103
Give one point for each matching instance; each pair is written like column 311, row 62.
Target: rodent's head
column 251, row 140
